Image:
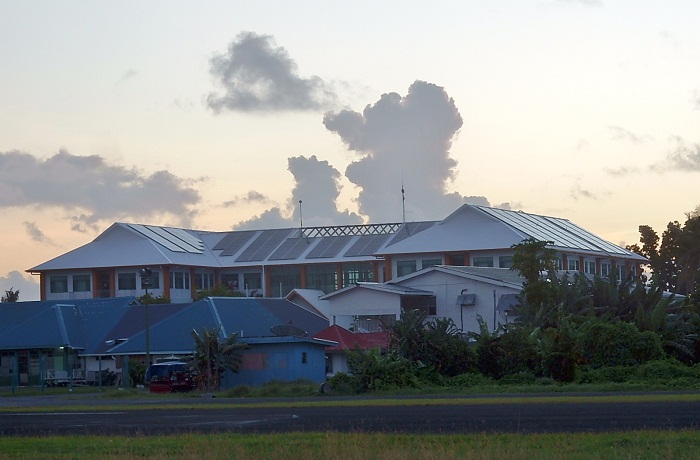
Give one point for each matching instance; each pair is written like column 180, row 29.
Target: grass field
column 683, row 444
column 630, row 445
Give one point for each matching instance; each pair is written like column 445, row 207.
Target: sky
column 225, row 115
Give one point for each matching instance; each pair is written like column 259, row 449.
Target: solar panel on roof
column 410, row 229
column 366, row 245
column 148, row 233
column 328, row 247
column 233, row 242
column 263, row 245
column 291, row 249
column 164, row 233
column 186, row 237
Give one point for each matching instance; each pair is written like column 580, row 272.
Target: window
column 283, row 280
column 58, row 284
column 505, row 261
column 425, row 263
column 574, row 265
column 405, row 267
column 252, row 281
column 558, row 264
column 357, row 273
column 81, row 283
column 179, row 280
column 126, row 281
column 304, row 357
column 155, row 281
column 620, row 272
column 605, row 269
column 322, row 277
column 425, row 304
column 482, row 261
column 589, row 266
column 204, row 281
column 230, row 281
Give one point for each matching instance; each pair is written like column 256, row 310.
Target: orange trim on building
column 302, row 276
column 268, row 282
column 193, row 283
column 387, row 268
column 42, row 286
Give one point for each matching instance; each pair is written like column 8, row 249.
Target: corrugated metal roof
column 81, row 324
column 470, row 228
column 247, row 316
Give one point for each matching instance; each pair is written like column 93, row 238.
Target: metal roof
column 80, row 324
column 469, row 228
column 249, row 317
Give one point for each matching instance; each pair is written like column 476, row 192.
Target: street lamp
column 145, row 274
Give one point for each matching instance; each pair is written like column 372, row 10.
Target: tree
column 215, row 354
column 675, row 258
column 11, row 296
column 436, row 344
column 536, row 263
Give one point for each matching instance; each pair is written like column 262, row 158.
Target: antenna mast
column 301, row 219
column 403, row 202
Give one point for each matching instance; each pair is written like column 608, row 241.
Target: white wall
column 447, row 287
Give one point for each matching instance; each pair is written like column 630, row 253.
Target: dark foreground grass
column 330, row 446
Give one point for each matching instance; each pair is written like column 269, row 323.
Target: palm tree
column 11, row 296
column 214, row 354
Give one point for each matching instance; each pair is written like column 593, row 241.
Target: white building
column 274, row 262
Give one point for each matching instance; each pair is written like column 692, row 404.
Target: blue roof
column 78, row 324
column 249, row 317
column 93, row 326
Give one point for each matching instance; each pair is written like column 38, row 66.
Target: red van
column 170, row 377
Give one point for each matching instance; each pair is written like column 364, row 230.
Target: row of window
column 406, row 267
column 282, row 279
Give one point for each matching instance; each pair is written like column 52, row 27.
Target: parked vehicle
column 170, row 377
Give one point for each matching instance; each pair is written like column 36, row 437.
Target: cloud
column 696, row 100
column 578, row 192
column 28, row 289
column 682, row 158
column 317, row 186
column 91, row 190
column 256, row 75
column 404, row 143
column 129, row 74
column 624, row 135
column 35, row 233
column 250, row 197
column 623, row 171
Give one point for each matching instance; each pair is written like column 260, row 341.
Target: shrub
column 373, row 370
column 521, row 378
column 605, row 344
column 511, row 353
column 469, row 379
column 665, row 371
column 617, row 374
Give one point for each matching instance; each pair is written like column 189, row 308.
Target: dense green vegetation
column 571, row 329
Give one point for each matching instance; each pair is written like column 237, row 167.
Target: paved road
column 509, row 417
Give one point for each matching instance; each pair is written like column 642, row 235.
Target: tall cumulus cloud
column 317, row 186
column 403, row 140
column 256, row 76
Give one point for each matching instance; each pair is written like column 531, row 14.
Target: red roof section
column 349, row 340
